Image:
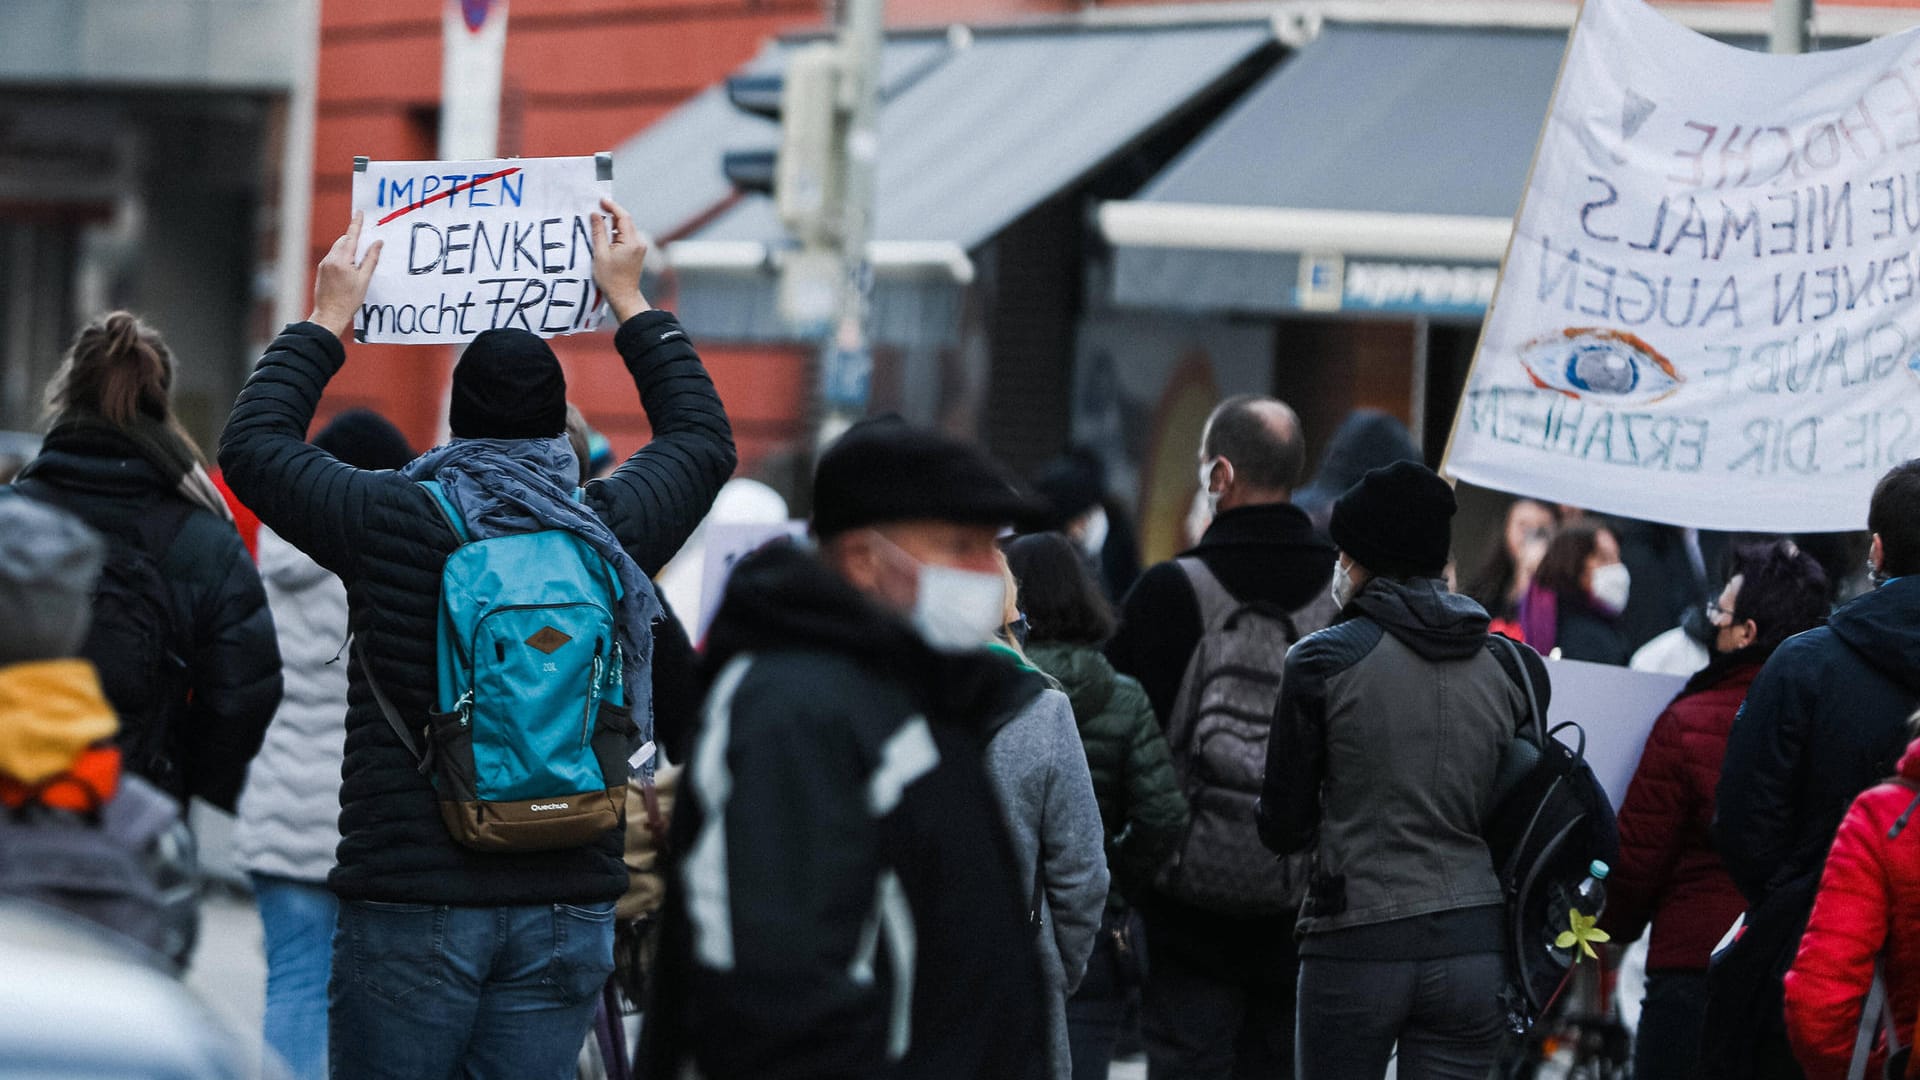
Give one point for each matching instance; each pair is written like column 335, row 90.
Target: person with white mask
column 849, row 901
column 1572, row 610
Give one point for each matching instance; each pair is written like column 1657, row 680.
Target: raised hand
column 340, row 284
column 617, row 259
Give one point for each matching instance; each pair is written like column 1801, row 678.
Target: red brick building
column 587, row 75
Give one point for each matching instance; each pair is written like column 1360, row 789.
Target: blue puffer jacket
column 381, row 533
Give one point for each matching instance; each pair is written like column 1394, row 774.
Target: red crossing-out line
column 449, row 193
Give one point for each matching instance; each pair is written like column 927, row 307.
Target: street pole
column 846, row 357
column 1790, row 19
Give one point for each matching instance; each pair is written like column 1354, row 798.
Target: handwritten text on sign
column 477, row 245
column 1710, row 313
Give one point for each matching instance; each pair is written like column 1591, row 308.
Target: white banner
column 477, row 245
column 1708, row 313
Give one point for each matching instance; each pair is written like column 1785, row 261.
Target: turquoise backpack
column 527, row 747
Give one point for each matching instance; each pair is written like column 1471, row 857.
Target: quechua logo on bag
column 548, row 640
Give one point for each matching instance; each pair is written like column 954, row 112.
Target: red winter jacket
column 1869, row 901
column 1669, row 873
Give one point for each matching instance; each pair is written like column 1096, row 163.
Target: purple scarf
column 1540, row 618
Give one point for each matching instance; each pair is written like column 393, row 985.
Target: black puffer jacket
column 383, row 536
column 225, row 632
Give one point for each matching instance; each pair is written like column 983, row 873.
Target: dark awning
column 977, row 127
column 1376, row 169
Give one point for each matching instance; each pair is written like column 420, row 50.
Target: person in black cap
column 1075, row 485
column 449, row 960
column 849, row 904
column 1389, row 780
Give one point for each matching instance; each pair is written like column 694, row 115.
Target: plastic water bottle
column 1589, row 898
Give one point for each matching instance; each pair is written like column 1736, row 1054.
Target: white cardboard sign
column 1709, row 313
column 728, row 543
column 479, row 245
column 1616, row 707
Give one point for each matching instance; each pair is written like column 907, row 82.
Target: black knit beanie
column 885, row 470
column 508, row 385
column 1397, row 521
column 365, row 440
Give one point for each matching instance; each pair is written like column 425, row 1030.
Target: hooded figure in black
column 847, row 902
column 1824, row 720
column 1367, row 439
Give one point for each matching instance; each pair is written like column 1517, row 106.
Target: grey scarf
column 506, row 486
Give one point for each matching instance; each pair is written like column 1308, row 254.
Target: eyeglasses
column 1718, row 615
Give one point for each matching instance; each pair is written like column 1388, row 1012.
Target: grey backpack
column 1218, row 736
column 129, row 868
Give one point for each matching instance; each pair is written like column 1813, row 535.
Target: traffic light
column 806, row 176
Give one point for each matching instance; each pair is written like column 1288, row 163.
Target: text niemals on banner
column 1710, row 311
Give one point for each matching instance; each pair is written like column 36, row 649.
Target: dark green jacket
column 1141, row 805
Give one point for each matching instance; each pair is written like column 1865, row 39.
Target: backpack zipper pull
column 593, row 699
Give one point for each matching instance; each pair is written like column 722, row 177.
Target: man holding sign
column 453, row 958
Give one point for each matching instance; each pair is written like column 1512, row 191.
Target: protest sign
column 1708, row 312
column 1616, row 708
column 727, row 543
column 478, row 245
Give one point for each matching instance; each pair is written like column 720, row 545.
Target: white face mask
column 957, row 610
column 1206, row 485
column 1094, row 537
column 1342, row 586
column 1611, row 585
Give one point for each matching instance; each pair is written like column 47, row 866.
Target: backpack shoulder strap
column 1876, row 1014
column 1217, row 605
column 454, row 521
column 1508, row 654
column 387, row 709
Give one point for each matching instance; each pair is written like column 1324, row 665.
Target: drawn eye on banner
column 480, row 245
column 1709, row 311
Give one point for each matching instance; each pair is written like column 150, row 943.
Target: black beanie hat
column 508, row 385
column 1071, row 484
column 365, row 440
column 1397, row 521
column 886, row 470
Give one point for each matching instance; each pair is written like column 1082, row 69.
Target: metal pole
column 847, row 356
column 1790, row 19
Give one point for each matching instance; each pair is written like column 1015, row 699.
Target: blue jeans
column 421, row 992
column 298, row 919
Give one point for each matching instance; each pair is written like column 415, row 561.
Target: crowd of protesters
column 936, row 795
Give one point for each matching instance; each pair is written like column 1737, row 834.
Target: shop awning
column 977, row 127
column 1377, row 169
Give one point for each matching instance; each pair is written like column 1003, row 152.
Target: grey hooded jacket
column 1385, row 745
column 1039, row 769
